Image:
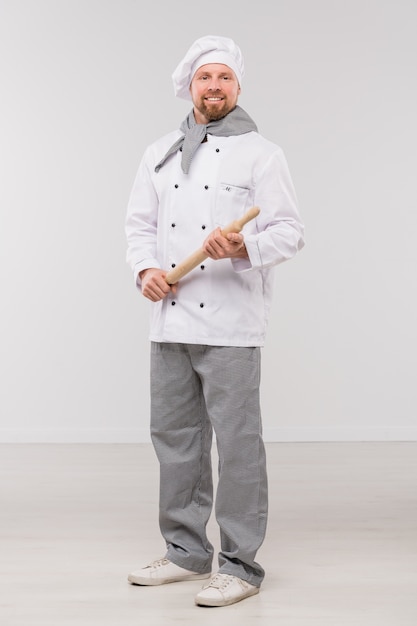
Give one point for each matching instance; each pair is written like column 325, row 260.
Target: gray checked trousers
column 196, row 389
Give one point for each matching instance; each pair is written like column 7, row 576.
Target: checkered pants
column 195, row 389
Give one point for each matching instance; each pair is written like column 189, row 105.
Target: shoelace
column 159, row 563
column 221, row 581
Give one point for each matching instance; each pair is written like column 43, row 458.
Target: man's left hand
column 216, row 246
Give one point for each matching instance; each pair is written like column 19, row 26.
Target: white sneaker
column 223, row 590
column 161, row 572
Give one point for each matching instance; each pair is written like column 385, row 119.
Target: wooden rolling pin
column 199, row 256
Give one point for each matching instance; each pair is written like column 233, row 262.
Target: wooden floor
column 341, row 547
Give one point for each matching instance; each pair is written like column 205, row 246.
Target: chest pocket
column 232, row 202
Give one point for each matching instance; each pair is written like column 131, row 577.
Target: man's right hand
column 154, row 285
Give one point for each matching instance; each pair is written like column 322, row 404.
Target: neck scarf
column 237, row 122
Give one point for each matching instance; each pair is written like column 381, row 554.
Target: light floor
column 341, row 547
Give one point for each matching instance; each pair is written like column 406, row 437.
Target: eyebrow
column 202, row 73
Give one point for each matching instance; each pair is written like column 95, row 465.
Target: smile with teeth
column 211, row 99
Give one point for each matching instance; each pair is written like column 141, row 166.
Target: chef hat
column 209, row 49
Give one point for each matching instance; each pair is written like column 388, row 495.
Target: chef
column 207, row 330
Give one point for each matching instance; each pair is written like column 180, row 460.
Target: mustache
column 214, row 94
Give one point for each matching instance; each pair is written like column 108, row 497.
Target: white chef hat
column 209, row 49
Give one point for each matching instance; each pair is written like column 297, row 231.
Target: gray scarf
column 237, row 122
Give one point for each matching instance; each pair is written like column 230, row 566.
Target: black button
column 203, row 226
column 176, row 186
column 201, row 305
column 202, row 267
column 217, row 150
column 172, row 264
column 205, row 186
column 173, row 225
column 173, row 303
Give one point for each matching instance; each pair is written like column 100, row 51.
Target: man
column 207, row 330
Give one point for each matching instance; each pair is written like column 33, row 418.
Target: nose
column 214, row 84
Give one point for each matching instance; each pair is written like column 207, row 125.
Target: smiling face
column 214, row 90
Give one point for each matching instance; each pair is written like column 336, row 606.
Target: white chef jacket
column 224, row 302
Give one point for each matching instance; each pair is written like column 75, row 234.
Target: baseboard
column 305, row 435
column 141, row 435
column 61, row 435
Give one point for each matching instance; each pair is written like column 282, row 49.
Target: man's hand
column 216, row 246
column 154, row 285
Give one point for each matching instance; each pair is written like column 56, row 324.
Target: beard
column 214, row 111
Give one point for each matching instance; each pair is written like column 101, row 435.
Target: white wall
column 85, row 87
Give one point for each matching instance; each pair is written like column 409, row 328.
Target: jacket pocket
column 232, row 203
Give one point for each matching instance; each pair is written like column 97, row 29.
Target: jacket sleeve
column 141, row 222
column 280, row 230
